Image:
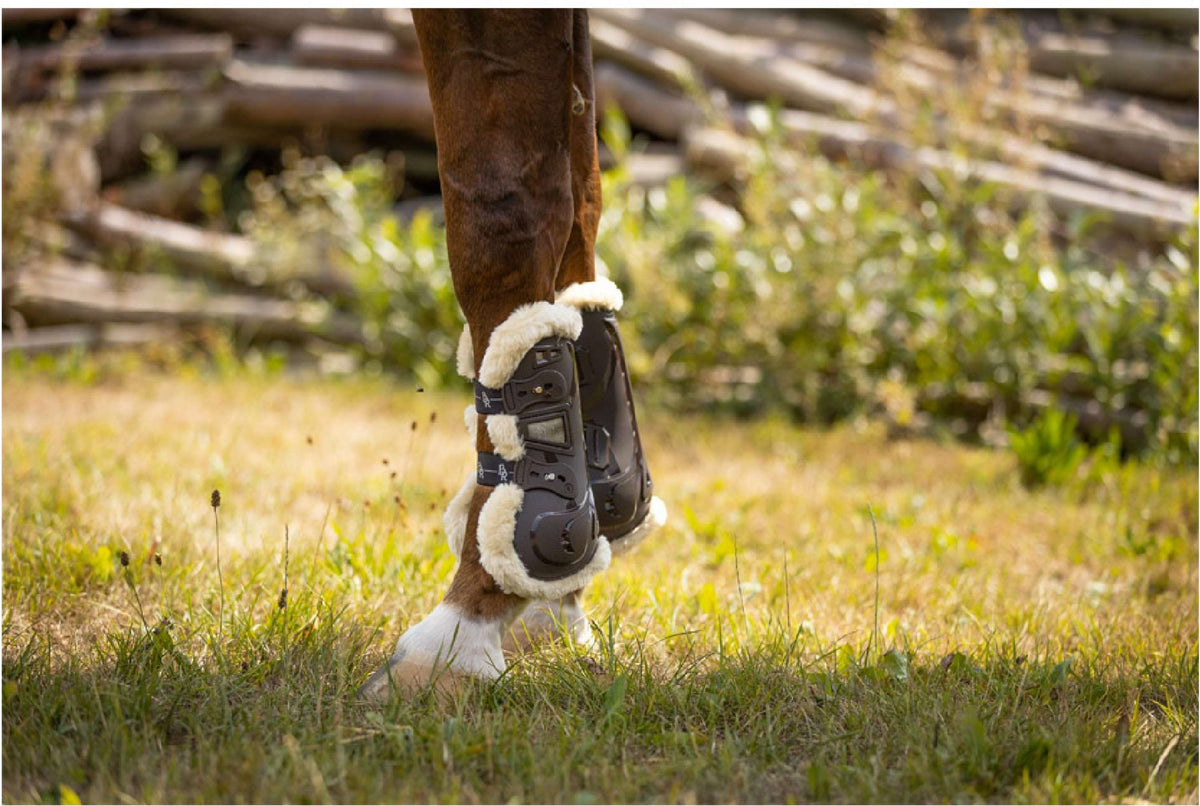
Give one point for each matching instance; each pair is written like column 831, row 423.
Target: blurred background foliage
column 823, row 290
column 921, row 300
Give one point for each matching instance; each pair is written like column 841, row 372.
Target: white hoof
column 443, row 650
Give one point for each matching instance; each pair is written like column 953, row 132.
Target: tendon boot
column 620, row 480
column 538, row 532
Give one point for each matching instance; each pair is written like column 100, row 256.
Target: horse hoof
column 546, row 623
column 409, row 673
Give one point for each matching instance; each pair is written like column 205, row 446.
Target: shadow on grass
column 139, row 717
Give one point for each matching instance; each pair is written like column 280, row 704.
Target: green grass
column 1028, row 646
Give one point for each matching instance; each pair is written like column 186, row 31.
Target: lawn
column 996, row 644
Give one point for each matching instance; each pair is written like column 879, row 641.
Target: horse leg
column 620, row 482
column 500, row 86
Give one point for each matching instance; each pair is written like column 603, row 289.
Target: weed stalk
column 128, row 576
column 216, row 505
column 283, row 603
column 875, row 631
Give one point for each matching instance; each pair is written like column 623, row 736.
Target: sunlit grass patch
column 1028, row 646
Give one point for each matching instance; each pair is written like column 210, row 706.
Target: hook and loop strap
column 491, row 470
column 488, row 400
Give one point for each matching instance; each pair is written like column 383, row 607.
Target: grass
column 998, row 645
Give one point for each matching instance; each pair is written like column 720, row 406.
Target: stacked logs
column 1104, row 103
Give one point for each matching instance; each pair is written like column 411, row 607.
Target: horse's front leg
column 525, row 524
column 617, row 469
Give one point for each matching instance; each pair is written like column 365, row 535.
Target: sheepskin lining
column 497, row 525
column 465, row 356
column 600, row 294
column 454, row 519
column 516, row 335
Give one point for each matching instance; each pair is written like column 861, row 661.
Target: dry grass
column 1074, row 611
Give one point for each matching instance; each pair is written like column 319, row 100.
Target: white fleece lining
column 497, row 524
column 454, row 519
column 656, row 516
column 598, row 295
column 516, row 335
column 502, row 431
column 470, row 420
column 465, row 356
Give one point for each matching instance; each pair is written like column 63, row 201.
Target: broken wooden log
column 140, row 87
column 351, row 48
column 173, row 194
column 1146, row 220
column 787, row 27
column 282, row 95
column 653, row 167
column 1152, row 147
column 56, row 338
column 1176, row 20
column 662, row 113
column 191, row 52
column 726, row 155
column 856, row 58
column 1086, row 132
column 617, row 45
column 65, row 293
column 750, row 68
column 1124, row 60
column 667, row 115
column 26, row 16
column 1053, row 162
column 251, row 23
column 175, row 119
column 1118, row 128
column 214, row 255
column 717, row 153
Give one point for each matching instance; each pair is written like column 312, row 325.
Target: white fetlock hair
column 600, row 294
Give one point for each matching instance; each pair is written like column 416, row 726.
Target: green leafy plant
column 1048, row 451
column 319, row 217
column 849, row 289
